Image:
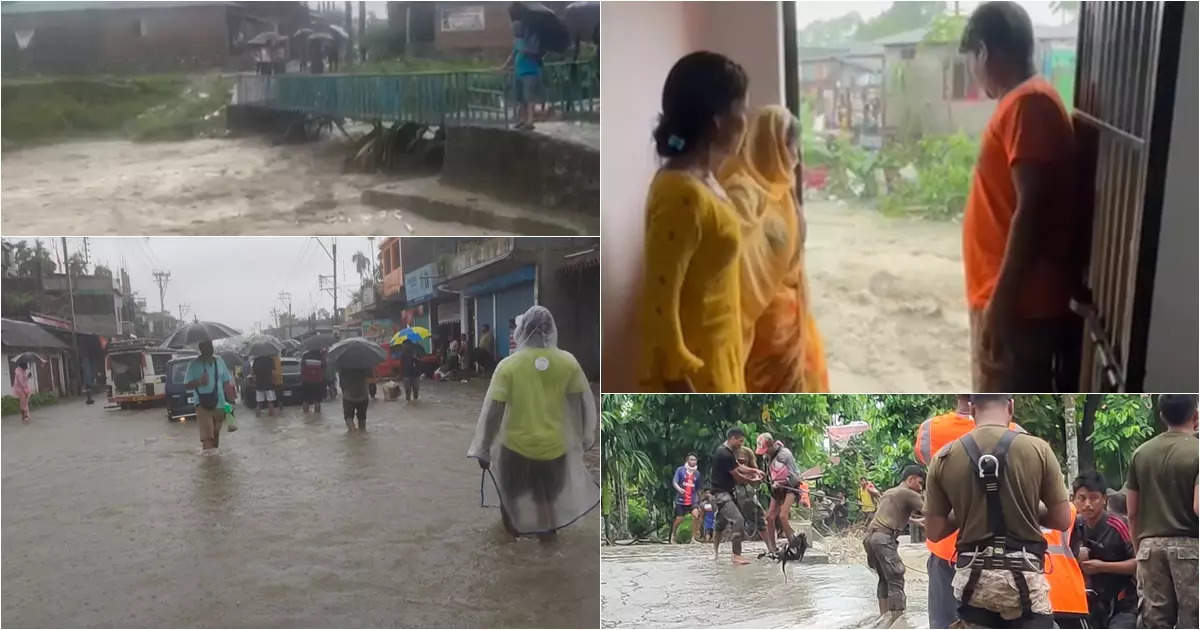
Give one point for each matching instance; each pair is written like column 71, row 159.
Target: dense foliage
column 646, row 437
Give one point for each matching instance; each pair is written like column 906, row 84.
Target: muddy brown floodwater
column 115, row 519
column 889, row 297
column 681, row 586
column 210, row 186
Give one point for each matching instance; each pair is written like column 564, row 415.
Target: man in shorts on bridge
column 527, row 59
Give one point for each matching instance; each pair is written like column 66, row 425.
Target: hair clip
column 675, row 142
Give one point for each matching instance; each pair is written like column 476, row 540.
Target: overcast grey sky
column 234, row 280
column 807, row 12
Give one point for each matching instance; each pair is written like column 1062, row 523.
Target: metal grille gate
column 1125, row 81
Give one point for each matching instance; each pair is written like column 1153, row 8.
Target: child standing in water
column 690, row 312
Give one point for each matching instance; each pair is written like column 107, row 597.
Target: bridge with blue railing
column 430, row 98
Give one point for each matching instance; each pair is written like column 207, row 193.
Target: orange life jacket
column 1068, row 592
column 934, row 434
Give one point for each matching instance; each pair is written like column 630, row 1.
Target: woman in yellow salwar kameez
column 781, row 345
column 689, row 313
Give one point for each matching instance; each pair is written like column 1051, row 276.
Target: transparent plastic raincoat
column 538, row 419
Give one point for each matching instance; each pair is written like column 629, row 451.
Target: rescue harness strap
column 990, row 469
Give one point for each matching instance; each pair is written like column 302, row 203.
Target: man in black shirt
column 726, row 474
column 1106, row 555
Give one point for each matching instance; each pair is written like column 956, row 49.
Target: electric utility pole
column 321, row 278
column 285, row 298
column 162, row 278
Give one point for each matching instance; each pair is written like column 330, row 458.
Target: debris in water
column 203, row 95
column 399, row 217
column 408, row 226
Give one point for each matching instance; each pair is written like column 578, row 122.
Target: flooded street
column 207, row 186
column 114, row 518
column 889, row 297
column 680, row 586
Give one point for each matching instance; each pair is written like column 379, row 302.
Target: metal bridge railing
column 431, row 98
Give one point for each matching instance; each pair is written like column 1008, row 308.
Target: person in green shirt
column 1160, row 496
column 538, row 418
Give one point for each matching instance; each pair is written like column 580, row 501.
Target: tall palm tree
column 361, row 264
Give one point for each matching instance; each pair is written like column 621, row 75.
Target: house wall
column 653, row 36
column 497, row 33
column 916, row 91
column 1171, row 361
column 108, row 40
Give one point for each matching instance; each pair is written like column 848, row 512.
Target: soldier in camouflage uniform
column 1161, row 495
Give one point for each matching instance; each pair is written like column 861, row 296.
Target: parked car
column 288, row 394
column 136, row 371
column 181, row 401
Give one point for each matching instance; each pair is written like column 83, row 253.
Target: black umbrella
column 316, row 37
column 356, row 353
column 262, row 346
column 583, row 20
column 195, row 332
column 266, row 38
column 29, row 357
column 231, row 358
column 339, row 31
column 302, row 32
column 549, row 27
column 319, row 341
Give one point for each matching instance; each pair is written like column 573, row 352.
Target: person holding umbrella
column 538, row 419
column 526, row 60
column 208, row 376
column 355, row 359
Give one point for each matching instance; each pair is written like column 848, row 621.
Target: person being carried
column 785, row 478
column 726, row 474
column 687, row 485
column 538, row 419
column 1105, row 555
column 997, row 487
column 1161, row 497
column 897, row 508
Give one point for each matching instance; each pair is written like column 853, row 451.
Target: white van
column 136, row 370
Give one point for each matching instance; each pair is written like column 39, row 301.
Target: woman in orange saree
column 783, row 348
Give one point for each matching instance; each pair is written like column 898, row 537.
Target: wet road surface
column 680, row 586
column 114, row 518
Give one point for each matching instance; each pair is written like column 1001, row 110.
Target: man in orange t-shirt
column 1023, row 234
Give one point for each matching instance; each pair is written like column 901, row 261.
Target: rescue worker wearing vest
column 932, row 435
column 998, row 487
column 1068, row 591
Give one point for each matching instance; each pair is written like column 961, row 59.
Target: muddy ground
column 115, row 519
column 889, row 297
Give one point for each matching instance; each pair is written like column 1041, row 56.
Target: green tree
column 1067, row 10
column 25, row 259
column 831, row 32
column 900, row 17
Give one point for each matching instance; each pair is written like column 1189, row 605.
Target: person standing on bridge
column 526, row 59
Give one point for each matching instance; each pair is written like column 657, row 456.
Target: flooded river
column 208, row 186
column 115, row 519
column 889, row 297
column 681, row 586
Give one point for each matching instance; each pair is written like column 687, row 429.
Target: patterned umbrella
column 195, row 332
column 413, row 333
